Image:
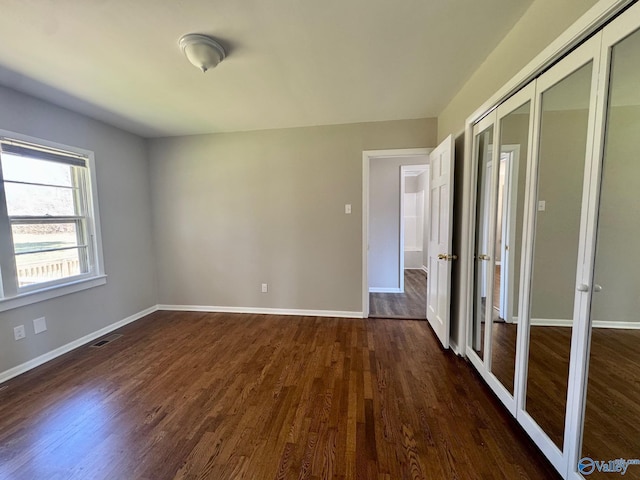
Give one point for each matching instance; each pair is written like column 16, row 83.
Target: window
column 48, row 218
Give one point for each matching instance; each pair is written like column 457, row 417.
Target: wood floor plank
column 412, row 304
column 223, row 396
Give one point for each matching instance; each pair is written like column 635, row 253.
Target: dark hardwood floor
column 547, row 374
column 222, row 396
column 611, row 428
column 503, row 361
column 412, row 304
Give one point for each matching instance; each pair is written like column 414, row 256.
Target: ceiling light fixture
column 202, row 51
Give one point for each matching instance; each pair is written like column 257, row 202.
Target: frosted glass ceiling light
column 202, row 51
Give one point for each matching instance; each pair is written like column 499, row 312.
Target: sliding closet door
column 557, row 220
column 612, row 413
column 565, row 120
column 501, row 142
column 510, row 172
column 484, row 136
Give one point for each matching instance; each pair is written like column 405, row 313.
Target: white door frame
column 509, row 207
column 404, row 170
column 401, row 246
column 367, row 156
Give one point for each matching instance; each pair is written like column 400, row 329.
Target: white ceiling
column 291, row 62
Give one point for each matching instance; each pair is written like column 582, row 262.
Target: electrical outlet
column 19, row 332
column 265, row 288
column 542, row 205
column 39, row 325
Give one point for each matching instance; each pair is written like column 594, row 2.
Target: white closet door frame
column 612, row 34
column 483, row 365
column 587, row 52
column 525, row 95
column 473, row 357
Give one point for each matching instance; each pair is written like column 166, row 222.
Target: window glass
column 46, row 230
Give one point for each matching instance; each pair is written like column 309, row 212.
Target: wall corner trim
column 262, row 311
column 46, row 357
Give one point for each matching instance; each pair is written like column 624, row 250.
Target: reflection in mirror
column 484, row 145
column 563, row 140
column 612, row 415
column 514, row 134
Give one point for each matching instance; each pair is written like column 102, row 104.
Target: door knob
column 583, row 287
column 446, row 256
column 484, row 257
column 597, row 288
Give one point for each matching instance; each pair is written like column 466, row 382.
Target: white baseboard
column 36, row 362
column 560, row 322
column 620, row 325
column 425, row 269
column 551, row 322
column 262, row 311
column 385, row 290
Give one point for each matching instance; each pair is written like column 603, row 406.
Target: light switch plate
column 347, row 208
column 542, row 205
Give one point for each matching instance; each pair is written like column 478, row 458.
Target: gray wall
column 617, row 257
column 125, row 212
column 515, row 131
column 232, row 211
column 384, row 220
column 540, row 25
column 560, row 177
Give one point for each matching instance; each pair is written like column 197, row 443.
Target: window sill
column 29, row 298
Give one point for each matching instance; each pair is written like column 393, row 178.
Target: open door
column 440, row 238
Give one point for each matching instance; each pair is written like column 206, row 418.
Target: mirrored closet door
column 484, row 149
column 500, row 207
column 611, row 427
column 564, row 124
column 554, row 282
column 510, row 173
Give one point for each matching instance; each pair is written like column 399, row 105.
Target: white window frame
column 14, row 296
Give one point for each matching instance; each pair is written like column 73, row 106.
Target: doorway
column 395, row 186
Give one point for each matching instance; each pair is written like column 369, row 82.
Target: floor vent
column 103, row 341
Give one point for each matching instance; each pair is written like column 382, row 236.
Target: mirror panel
column 611, row 426
column 562, row 150
column 514, row 138
column 484, row 147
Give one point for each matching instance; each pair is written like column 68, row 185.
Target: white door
column 440, row 236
